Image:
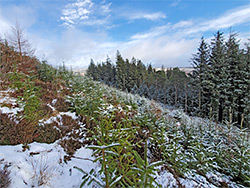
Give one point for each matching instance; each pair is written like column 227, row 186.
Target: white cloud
column 75, row 48
column 162, row 51
column 16, row 13
column 85, row 12
column 4, row 27
column 154, row 32
column 229, row 19
column 174, row 44
column 105, row 8
column 188, row 27
column 175, row 3
column 149, row 16
column 183, row 24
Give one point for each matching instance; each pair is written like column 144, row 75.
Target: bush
column 47, row 133
column 12, row 132
column 46, row 72
column 4, row 177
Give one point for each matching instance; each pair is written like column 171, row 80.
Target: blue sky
column 160, row 32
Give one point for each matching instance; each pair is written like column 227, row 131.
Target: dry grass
column 43, row 172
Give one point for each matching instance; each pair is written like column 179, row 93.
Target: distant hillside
column 81, row 72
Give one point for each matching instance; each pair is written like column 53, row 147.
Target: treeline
column 218, row 88
column 133, row 76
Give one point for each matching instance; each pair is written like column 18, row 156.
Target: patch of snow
column 43, row 166
column 6, row 99
column 54, row 101
column 58, row 118
column 166, row 179
column 51, row 107
column 6, row 110
column 71, row 114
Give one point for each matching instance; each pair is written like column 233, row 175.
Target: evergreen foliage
column 221, row 80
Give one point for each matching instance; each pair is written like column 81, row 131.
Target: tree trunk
column 199, row 98
column 176, row 94
column 186, row 97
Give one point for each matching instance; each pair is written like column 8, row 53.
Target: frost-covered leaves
column 195, row 145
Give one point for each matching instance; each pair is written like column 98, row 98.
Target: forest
column 218, row 88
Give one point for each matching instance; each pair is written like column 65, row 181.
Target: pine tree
column 218, row 77
column 237, row 76
column 246, row 95
column 142, row 70
column 132, row 74
column 200, row 77
column 92, row 70
column 178, row 79
column 121, row 72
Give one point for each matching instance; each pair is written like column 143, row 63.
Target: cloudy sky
column 160, row 32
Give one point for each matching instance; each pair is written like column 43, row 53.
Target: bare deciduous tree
column 21, row 44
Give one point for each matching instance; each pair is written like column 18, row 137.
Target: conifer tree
column 92, row 70
column 246, row 95
column 236, row 86
column 218, row 77
column 132, row 74
column 121, row 72
column 200, row 79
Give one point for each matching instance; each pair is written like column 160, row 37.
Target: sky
column 158, row 32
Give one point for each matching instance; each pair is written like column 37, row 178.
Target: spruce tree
column 246, row 95
column 237, row 85
column 218, row 77
column 121, row 72
column 92, row 70
column 234, row 72
column 200, row 78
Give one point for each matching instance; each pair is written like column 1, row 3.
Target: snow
column 6, row 110
column 166, row 179
column 58, row 117
column 43, row 166
column 9, row 105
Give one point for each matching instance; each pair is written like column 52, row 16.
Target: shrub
column 12, row 132
column 46, row 72
column 4, row 177
column 47, row 133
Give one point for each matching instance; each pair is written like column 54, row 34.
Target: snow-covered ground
column 43, row 165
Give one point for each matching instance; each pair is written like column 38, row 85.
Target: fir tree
column 246, row 95
column 200, row 78
column 236, row 86
column 218, row 77
column 121, row 74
